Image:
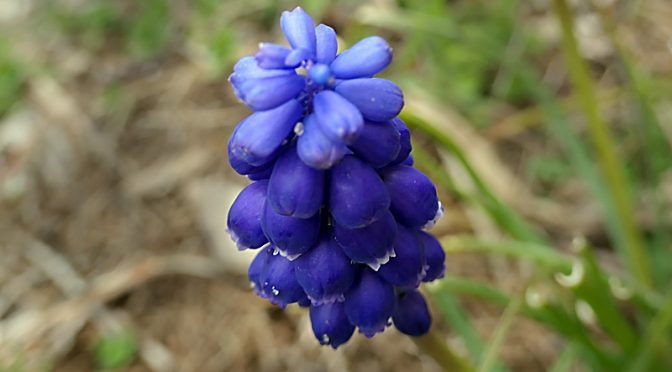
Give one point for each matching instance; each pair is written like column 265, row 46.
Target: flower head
column 335, row 197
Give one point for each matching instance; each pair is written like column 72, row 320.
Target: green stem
column 433, row 345
column 603, row 142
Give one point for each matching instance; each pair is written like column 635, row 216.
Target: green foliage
column 116, row 350
column 150, row 28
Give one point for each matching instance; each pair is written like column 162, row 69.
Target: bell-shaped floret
column 377, row 99
column 404, row 141
column 274, row 56
column 330, row 324
column 339, row 119
column 327, row 44
column 435, row 257
column 371, row 244
column 411, row 315
column 370, row 303
column 407, row 267
column 278, row 281
column 260, row 136
column 414, row 199
column 366, row 58
column 325, row 272
column 244, row 219
column 299, row 29
column 291, row 236
column 378, row 143
column 357, row 193
column 315, row 148
column 245, row 168
column 257, row 267
column 295, row 189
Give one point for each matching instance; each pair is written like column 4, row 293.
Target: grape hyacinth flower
column 335, row 207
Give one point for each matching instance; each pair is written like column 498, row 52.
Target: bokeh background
column 114, row 184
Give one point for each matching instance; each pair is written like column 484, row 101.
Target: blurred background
column 552, row 159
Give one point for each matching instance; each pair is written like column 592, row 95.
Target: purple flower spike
column 291, row 236
column 330, row 324
column 338, row 118
column 278, row 281
column 357, row 193
column 325, row 272
column 407, row 268
column 411, row 315
column 371, row 244
column 364, row 59
column 244, row 219
column 404, row 140
column 294, row 188
column 377, row 99
column 435, row 257
column 370, row 303
column 299, row 29
column 316, row 149
column 414, row 199
column 327, row 44
column 259, row 137
column 378, row 143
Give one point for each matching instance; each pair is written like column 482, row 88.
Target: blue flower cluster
column 335, row 204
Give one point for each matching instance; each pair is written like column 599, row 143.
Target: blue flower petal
column 404, row 140
column 414, row 199
column 370, row 303
column 377, row 99
column 338, row 118
column 411, row 315
column 407, row 268
column 295, row 189
column 259, row 137
column 357, row 193
column 371, row 244
column 278, row 281
column 366, row 58
column 409, row 161
column 327, row 44
column 272, row 56
column 330, row 324
column 316, row 149
column 378, row 143
column 299, row 29
column 292, row 236
column 296, row 57
column 325, row 272
column 435, row 257
column 244, row 219
column 261, row 175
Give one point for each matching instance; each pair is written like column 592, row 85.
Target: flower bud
column 295, row 189
column 404, row 141
column 370, row 303
column 299, row 29
column 357, row 193
column 259, row 137
column 338, row 118
column 406, row 268
column 291, row 236
column 378, row 143
column 278, row 281
column 244, row 219
column 371, row 244
column 330, row 324
column 325, row 272
column 377, row 99
column 366, row 58
column 411, row 315
column 435, row 257
column 316, row 149
column 413, row 195
column 327, row 44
